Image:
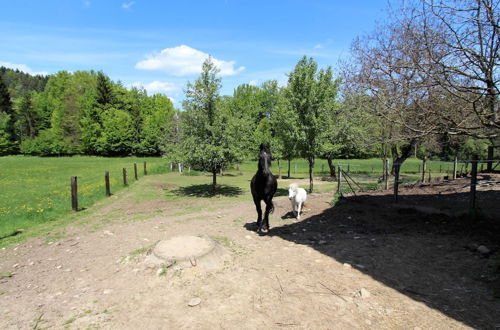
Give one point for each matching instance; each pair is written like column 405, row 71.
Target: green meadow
column 36, row 190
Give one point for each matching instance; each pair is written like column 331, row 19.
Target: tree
column 6, row 111
column 104, row 90
column 432, row 70
column 210, row 137
column 311, row 95
column 461, row 41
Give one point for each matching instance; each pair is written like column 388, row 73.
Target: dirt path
column 338, row 268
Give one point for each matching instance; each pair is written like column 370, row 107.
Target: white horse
column 297, row 196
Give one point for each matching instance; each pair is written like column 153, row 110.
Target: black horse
column 263, row 187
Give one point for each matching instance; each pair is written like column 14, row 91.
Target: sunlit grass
column 35, row 190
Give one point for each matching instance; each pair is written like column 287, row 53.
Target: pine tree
column 6, row 108
column 104, row 91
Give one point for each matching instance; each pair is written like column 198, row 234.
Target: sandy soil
column 365, row 263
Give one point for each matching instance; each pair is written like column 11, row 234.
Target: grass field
column 36, row 190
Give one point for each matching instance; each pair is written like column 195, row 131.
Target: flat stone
column 364, row 293
column 483, row 249
column 194, row 302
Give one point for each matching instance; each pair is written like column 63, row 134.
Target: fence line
column 107, row 185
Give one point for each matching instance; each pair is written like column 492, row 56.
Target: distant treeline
column 79, row 113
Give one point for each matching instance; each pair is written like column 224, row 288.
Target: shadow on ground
column 431, row 258
column 206, row 190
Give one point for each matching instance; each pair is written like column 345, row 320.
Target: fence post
column 429, row 178
column 74, row 193
column 455, row 165
column 348, row 168
column 473, row 182
column 423, row 168
column 295, row 169
column 339, row 177
column 106, row 181
column 397, row 167
column 440, row 168
column 146, row 169
column 482, row 167
column 124, row 176
column 135, row 171
column 373, row 168
column 386, row 174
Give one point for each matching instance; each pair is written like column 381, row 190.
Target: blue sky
column 161, row 44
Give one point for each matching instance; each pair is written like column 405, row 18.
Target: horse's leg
column 259, row 211
column 293, row 207
column 269, row 206
column 299, row 207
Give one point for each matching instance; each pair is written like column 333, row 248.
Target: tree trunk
column 289, row 161
column 405, row 153
column 489, row 165
column 214, row 180
column 332, row 167
column 310, row 160
column 279, row 170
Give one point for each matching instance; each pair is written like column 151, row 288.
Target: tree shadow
column 281, row 192
column 429, row 257
column 206, row 190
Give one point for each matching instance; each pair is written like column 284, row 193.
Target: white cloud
column 22, row 67
column 184, row 61
column 157, row 87
column 318, row 46
column 128, row 5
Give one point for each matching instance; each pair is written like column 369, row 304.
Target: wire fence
column 394, row 175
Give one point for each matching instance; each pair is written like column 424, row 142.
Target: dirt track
column 361, row 264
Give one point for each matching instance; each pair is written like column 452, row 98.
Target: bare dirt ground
column 365, row 263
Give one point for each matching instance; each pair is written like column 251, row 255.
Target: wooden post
column 429, row 178
column 386, row 174
column 489, row 165
column 418, row 168
column 135, row 171
column 106, row 181
column 482, row 167
column 339, row 177
column 423, row 168
column 74, row 193
column 455, row 166
column 373, row 168
column 295, row 169
column 124, row 176
column 473, row 182
column 397, row 167
column 348, row 168
column 146, row 168
column 440, row 168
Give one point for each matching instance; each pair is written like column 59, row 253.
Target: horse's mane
column 264, row 150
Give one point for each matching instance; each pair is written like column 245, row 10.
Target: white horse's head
column 292, row 190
